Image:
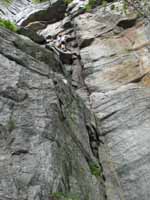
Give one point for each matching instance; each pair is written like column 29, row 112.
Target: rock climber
column 58, row 40
column 63, row 42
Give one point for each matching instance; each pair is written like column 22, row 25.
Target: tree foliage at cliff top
column 141, row 6
column 38, row 1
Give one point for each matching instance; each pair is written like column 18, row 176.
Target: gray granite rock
column 32, row 35
column 44, row 141
column 78, row 131
column 117, row 79
column 24, row 12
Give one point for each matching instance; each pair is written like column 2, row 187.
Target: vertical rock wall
column 75, row 125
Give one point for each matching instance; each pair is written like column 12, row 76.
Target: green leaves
column 67, row 1
column 8, row 24
column 6, row 2
column 95, row 169
column 90, row 5
column 38, row 1
column 142, row 7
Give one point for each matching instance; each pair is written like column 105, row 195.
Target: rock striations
column 74, row 125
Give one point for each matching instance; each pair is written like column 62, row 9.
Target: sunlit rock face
column 118, row 79
column 11, row 8
column 24, row 11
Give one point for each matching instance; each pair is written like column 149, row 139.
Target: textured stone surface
column 9, row 11
column 31, row 34
column 118, row 82
column 83, row 129
column 24, row 12
column 52, row 29
column 44, row 140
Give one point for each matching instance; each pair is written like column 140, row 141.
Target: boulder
column 24, row 12
column 35, row 26
column 31, row 34
column 42, row 12
column 51, row 29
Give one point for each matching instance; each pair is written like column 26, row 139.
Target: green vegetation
column 90, row 5
column 95, row 170
column 7, row 2
column 142, row 7
column 62, row 196
column 11, row 125
column 38, row 1
column 8, row 24
column 67, row 1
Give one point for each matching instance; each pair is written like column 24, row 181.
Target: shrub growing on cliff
column 11, row 125
column 8, row 24
column 95, row 170
column 38, row 1
column 67, row 1
column 7, row 2
column 141, row 6
column 91, row 4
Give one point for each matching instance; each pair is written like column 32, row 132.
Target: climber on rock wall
column 59, row 42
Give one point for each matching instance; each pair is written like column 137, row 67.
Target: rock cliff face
column 44, row 147
column 75, row 125
column 24, row 11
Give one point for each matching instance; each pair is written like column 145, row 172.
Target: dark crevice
column 137, row 80
column 19, row 152
column 127, row 23
column 109, row 115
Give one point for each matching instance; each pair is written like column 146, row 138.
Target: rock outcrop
column 24, row 12
column 75, row 125
column 45, row 149
column 118, row 81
